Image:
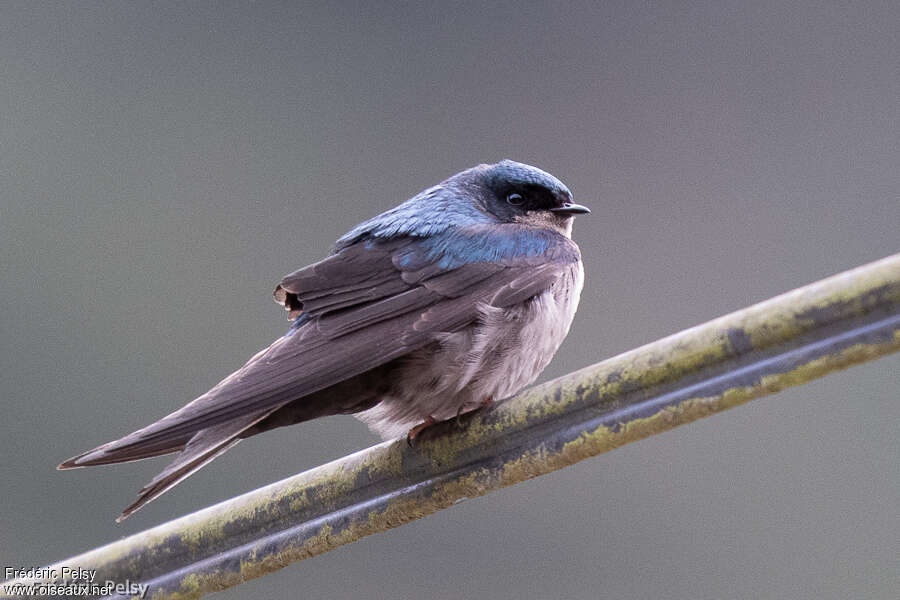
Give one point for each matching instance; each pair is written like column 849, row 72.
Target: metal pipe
column 788, row 340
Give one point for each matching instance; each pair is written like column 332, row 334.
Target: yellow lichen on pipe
column 788, row 340
column 587, row 445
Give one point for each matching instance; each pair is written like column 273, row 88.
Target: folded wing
column 365, row 305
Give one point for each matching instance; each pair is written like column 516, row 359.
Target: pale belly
column 496, row 357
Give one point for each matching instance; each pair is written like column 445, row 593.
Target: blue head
column 505, row 192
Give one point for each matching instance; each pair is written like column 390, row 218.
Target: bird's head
column 505, row 192
column 514, row 192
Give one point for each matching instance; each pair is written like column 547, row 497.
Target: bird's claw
column 415, row 431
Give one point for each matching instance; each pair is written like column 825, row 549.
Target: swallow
column 454, row 298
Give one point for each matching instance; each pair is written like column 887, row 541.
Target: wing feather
column 362, row 307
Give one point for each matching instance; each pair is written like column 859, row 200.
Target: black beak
column 570, row 208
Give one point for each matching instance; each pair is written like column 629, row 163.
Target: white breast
column 529, row 342
column 496, row 357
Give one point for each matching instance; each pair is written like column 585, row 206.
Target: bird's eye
column 515, row 199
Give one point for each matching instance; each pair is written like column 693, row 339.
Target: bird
column 451, row 300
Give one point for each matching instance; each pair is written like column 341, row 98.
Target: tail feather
column 109, row 454
column 203, row 447
column 199, row 445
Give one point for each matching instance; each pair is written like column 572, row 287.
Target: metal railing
column 788, row 340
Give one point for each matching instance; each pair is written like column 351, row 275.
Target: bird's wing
column 361, row 307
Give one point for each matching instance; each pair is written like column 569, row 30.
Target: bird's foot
column 415, row 431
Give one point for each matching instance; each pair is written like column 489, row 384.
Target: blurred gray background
column 163, row 165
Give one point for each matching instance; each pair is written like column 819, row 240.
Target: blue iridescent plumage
column 438, row 208
column 454, row 248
